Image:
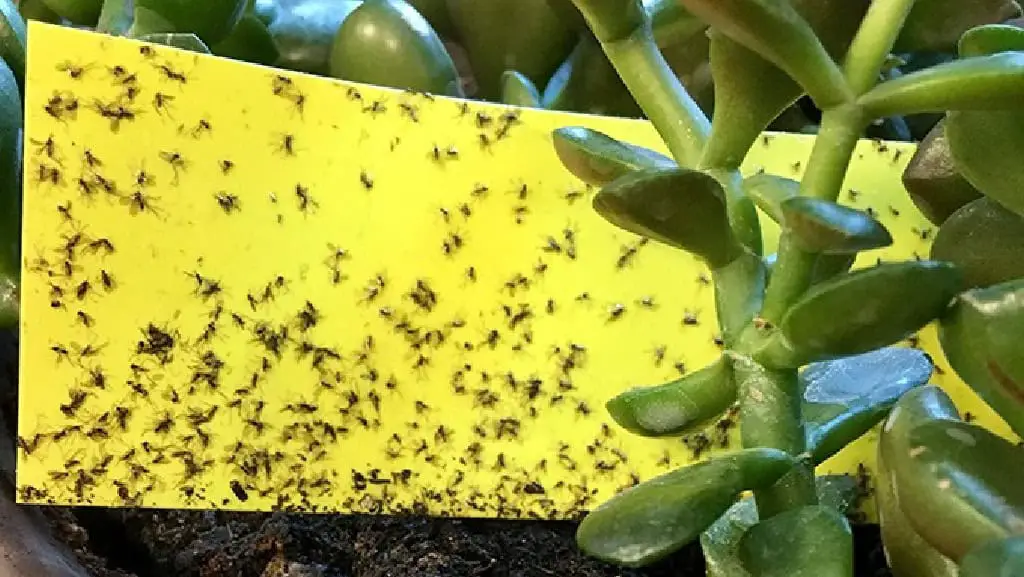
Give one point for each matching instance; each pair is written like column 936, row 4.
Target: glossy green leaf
column 10, row 196
column 38, row 10
column 304, row 31
column 596, row 158
column 826, row 227
column 651, row 520
column 388, row 43
column 777, row 32
column 932, row 180
column 960, row 475
column 210, row 20
column 671, row 23
column 986, row 146
column 938, row 24
column 678, row 407
column 844, row 398
column 679, row 207
column 436, row 13
column 720, row 542
column 827, row 266
column 13, row 36
column 813, row 541
column 750, row 92
column 984, row 240
column 116, row 17
column 999, row 558
column 266, row 10
column 249, row 41
column 992, row 82
column 523, row 35
column 742, row 212
column 177, row 40
column 81, row 12
column 908, row 553
column 518, row 90
column 982, row 338
column 990, row 39
column 769, row 191
column 869, row 308
column 739, row 293
column 587, row 82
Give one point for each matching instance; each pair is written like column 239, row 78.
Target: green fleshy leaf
column 649, row 521
column 587, row 82
column 936, row 25
column 38, row 10
column 769, row 192
column 825, row 227
column 249, row 41
column 679, row 207
column 678, row 407
column 436, row 13
column 518, row 90
column 981, row 337
column 115, row 17
column 932, row 180
column 10, row 196
column 869, row 308
column 671, row 22
column 750, row 92
column 1000, row 558
column 210, row 20
column 986, row 146
column 846, row 397
column 813, row 541
column 984, row 240
column 265, row 10
column 909, row 555
column 177, row 40
column 720, row 542
column 13, row 38
column 388, row 43
column 778, row 33
column 525, row 35
column 960, row 475
column 739, row 293
column 81, row 12
column 990, row 40
column 596, row 158
column 304, row 31
column 992, row 82
column 828, row 266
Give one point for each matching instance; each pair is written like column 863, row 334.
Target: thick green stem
column 875, row 38
column 675, row 115
column 840, row 129
column 770, row 413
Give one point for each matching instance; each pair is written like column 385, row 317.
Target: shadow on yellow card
column 255, row 290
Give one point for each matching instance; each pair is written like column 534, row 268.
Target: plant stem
column 770, row 413
column 840, row 130
column 875, row 38
column 675, row 115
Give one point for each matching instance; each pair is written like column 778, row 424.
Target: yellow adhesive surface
column 385, row 302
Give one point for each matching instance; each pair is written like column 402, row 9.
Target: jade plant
column 812, row 349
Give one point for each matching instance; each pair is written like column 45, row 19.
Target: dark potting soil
column 146, row 543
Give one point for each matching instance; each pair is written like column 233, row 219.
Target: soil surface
column 165, row 543
column 160, row 543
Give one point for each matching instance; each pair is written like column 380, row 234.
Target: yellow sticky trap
column 255, row 291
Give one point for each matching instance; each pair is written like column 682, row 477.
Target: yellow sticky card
column 254, row 290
